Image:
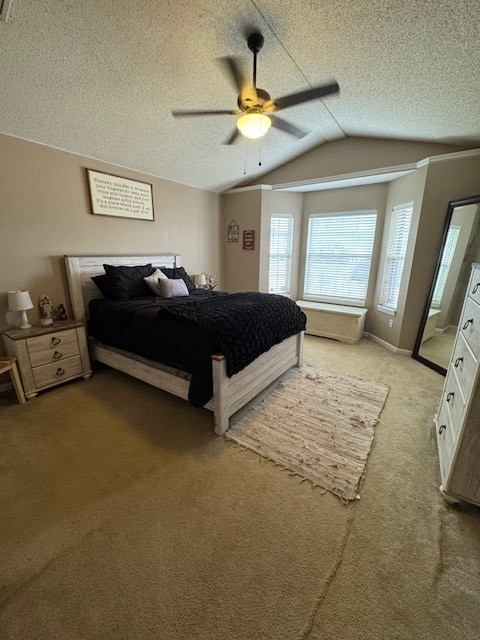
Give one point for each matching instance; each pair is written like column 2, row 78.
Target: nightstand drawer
column 55, row 372
column 51, row 341
column 52, row 353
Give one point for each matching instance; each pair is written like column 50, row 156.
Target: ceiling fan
column 256, row 109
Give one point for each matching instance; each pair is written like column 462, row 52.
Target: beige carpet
column 123, row 517
column 316, row 425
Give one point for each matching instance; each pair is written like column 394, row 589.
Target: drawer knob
column 442, row 428
column 450, row 396
column 457, row 362
column 465, row 326
column 475, row 288
column 56, row 340
column 60, row 372
column 57, row 355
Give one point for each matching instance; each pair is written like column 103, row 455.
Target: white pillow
column 153, row 279
column 173, row 288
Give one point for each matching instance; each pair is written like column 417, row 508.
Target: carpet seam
column 330, row 578
column 4, row 603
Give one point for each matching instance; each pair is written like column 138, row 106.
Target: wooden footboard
column 230, row 394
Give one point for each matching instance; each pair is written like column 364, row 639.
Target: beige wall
column 241, row 267
column 351, row 155
column 45, row 213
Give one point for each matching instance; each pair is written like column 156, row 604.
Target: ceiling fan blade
column 309, row 94
column 233, row 70
column 231, row 139
column 179, row 113
column 288, row 127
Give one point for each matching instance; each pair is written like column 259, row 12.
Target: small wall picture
column 249, row 239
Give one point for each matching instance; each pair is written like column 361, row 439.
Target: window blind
column 339, row 254
column 280, row 259
column 395, row 254
column 445, row 264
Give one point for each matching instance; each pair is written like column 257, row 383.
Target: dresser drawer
column 474, row 287
column 465, row 366
column 469, row 325
column 56, row 372
column 445, row 441
column 453, row 398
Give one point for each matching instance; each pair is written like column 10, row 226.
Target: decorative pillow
column 104, row 284
column 173, row 288
column 179, row 272
column 127, row 282
column 152, row 281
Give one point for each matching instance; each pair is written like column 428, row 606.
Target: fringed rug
column 319, row 426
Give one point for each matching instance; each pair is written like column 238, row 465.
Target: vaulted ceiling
column 100, row 78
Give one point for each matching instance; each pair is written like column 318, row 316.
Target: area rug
column 316, row 425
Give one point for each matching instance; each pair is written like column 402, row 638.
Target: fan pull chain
column 260, row 153
column 244, row 156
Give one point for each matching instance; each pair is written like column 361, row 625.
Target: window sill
column 387, row 310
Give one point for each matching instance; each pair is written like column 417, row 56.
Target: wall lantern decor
column 232, row 232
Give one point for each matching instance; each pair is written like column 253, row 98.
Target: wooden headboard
column 80, row 270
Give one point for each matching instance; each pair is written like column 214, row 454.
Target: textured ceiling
column 100, row 77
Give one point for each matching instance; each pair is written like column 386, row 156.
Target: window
column 339, row 254
column 395, row 255
column 280, row 261
column 445, row 264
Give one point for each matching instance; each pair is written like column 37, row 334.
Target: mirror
column 459, row 249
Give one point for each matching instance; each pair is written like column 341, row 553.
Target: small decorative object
column 45, row 311
column 249, row 239
column 20, row 301
column 232, row 232
column 211, row 281
column 61, row 313
column 120, row 197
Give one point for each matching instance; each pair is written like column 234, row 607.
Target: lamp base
column 24, row 323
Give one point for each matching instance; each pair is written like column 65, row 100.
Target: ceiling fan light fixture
column 254, row 125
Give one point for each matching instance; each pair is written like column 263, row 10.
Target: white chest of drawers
column 458, row 419
column 48, row 356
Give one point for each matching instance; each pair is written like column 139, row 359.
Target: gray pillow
column 152, row 281
column 173, row 288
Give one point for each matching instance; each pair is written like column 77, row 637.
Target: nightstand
column 48, row 356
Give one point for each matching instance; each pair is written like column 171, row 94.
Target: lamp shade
column 19, row 301
column 200, row 280
column 254, row 125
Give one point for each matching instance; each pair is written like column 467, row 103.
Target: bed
column 229, row 392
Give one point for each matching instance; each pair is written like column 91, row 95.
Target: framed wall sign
column 120, row 197
column 249, row 239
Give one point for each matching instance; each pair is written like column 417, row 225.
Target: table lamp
column 20, row 301
column 200, row 280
